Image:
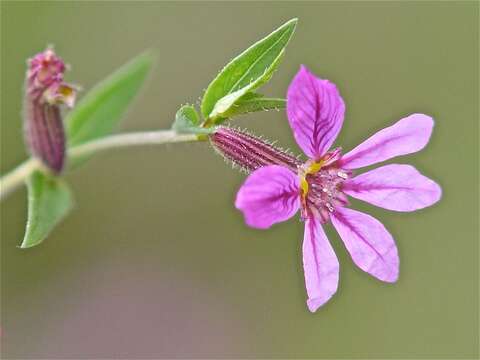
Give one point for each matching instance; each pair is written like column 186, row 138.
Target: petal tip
column 316, row 303
column 304, row 67
column 253, row 223
column 391, row 278
column 389, row 274
column 438, row 192
column 424, row 117
column 426, row 120
column 305, row 73
column 238, row 201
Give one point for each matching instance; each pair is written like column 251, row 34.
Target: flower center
column 321, row 186
column 320, row 179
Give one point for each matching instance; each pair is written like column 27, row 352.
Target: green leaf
column 252, row 102
column 49, row 201
column 187, row 122
column 224, row 104
column 98, row 113
column 248, row 71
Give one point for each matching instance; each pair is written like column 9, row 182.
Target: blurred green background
column 156, row 262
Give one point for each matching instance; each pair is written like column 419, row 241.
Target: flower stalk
column 15, row 178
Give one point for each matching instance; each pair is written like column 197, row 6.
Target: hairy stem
column 15, row 178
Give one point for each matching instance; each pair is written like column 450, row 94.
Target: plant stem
column 129, row 139
column 11, row 181
column 15, row 178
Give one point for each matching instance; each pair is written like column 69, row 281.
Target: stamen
column 321, row 185
column 342, row 174
column 329, row 207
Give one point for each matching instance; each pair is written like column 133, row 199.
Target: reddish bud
column 44, row 94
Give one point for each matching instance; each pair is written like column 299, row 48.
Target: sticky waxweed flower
column 45, row 92
column 280, row 185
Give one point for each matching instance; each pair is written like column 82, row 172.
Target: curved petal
column 394, row 187
column 406, row 136
column 320, row 265
column 268, row 196
column 315, row 112
column 370, row 245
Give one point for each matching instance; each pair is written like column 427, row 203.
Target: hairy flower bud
column 249, row 152
column 45, row 91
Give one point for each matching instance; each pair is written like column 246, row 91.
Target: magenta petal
column 406, row 136
column 268, row 196
column 320, row 265
column 394, row 187
column 370, row 245
column 315, row 111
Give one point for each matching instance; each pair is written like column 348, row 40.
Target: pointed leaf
column 255, row 103
column 98, row 113
column 223, row 105
column 246, row 72
column 49, row 201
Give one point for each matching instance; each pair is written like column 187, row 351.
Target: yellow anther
column 311, row 168
column 314, row 167
column 304, row 186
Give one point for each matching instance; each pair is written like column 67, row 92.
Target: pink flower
column 45, row 92
column 278, row 188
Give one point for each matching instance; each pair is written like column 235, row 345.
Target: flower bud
column 249, row 152
column 45, row 92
